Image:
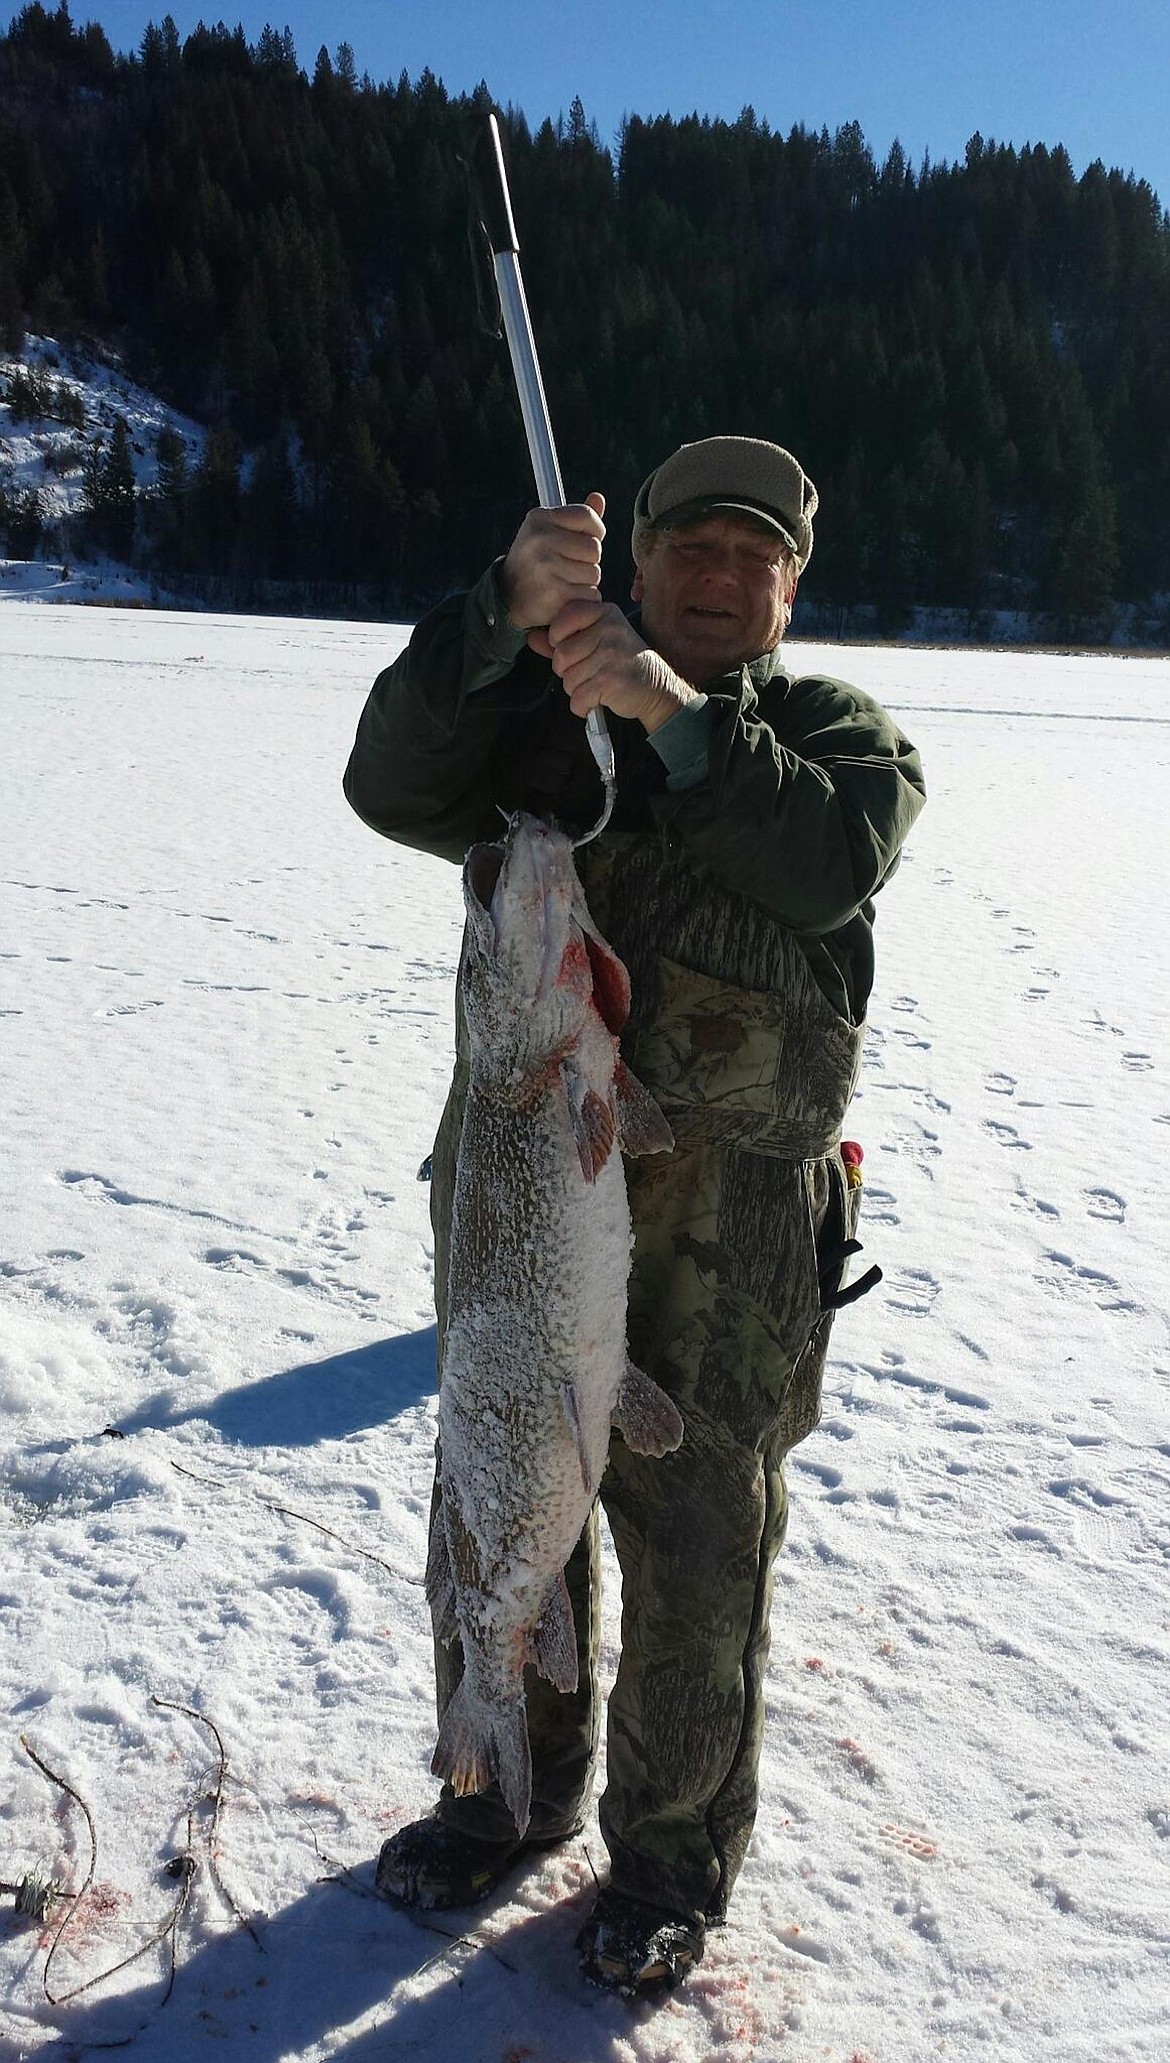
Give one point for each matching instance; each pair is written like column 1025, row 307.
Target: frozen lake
column 225, row 1013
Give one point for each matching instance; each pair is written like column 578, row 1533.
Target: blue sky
column 1095, row 78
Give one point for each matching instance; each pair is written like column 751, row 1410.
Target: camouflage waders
column 736, row 1235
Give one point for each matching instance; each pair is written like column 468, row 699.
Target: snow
column 34, row 450
column 45, row 454
column 226, row 1021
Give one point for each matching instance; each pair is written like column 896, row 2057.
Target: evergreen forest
column 972, row 359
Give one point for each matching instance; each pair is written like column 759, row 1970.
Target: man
column 756, row 817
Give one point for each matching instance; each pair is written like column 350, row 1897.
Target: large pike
column 535, row 1366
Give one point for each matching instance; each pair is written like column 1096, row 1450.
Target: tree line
column 972, row 359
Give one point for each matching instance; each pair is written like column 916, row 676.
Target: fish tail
column 478, row 1742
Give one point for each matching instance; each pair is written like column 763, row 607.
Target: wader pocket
column 838, row 1242
column 712, row 1045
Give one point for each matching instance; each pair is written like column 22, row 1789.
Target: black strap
column 833, row 1296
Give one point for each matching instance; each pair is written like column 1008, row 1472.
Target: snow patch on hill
column 57, row 402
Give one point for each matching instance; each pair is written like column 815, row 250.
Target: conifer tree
column 118, row 493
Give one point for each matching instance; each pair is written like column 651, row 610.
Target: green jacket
column 795, row 794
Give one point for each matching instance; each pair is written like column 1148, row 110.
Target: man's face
column 714, row 595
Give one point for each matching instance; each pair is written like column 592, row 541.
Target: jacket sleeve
column 421, row 766
column 809, row 792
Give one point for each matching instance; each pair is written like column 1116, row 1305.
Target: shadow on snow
column 315, row 1401
column 330, row 1959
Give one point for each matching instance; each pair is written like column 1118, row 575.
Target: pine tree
column 118, row 493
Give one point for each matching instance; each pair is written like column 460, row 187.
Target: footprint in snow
column 1023, row 1200
column 998, row 1084
column 918, row 1844
column 1137, row 1063
column 1070, row 1277
column 911, row 1289
column 893, row 1369
column 1105, row 1203
column 239, row 1261
column 1078, row 1491
column 1035, row 1536
column 829, row 1478
column 917, row 1142
column 1006, row 1135
column 1097, row 1534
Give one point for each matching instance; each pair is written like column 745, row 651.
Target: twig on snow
column 77, row 1798
column 455, row 1941
column 188, row 1711
column 286, row 1511
column 166, row 1932
column 345, row 1876
column 184, row 1866
column 214, row 1481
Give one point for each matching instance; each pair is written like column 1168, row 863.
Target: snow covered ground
column 225, row 1010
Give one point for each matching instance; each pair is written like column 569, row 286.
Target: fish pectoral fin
column 478, row 1742
column 645, row 1416
column 611, row 982
column 554, row 1642
column 641, row 1125
column 573, row 1416
column 440, row 1583
column 591, row 1121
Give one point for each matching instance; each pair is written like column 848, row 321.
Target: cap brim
column 720, row 505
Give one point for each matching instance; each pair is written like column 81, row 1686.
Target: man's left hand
column 602, row 661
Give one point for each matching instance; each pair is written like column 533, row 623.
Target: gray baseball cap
column 743, row 476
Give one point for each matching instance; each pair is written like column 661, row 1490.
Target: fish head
column 535, row 972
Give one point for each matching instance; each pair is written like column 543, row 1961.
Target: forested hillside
column 973, row 360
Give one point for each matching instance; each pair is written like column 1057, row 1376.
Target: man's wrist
column 682, row 744
column 672, row 693
column 497, row 631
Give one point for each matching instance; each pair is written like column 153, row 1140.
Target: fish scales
column 535, row 1366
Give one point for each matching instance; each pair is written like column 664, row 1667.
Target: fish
column 535, row 1366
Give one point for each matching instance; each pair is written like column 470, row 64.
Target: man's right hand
column 555, row 558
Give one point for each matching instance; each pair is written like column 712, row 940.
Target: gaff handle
column 500, row 229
